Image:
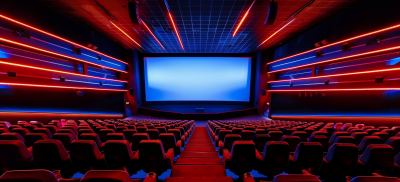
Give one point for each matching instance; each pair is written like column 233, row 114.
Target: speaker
column 131, row 91
column 264, row 92
column 62, row 79
column 79, row 93
column 76, row 50
column 379, row 79
column 271, row 14
column 134, row 12
column 319, row 53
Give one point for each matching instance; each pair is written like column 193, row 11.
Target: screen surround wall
column 213, row 106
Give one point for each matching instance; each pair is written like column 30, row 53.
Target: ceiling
column 205, row 26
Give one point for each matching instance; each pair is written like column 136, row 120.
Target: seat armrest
column 178, row 147
column 136, row 155
column 305, row 172
column 183, row 138
column 170, row 158
column 376, row 174
column 227, row 158
column 220, row 147
column 216, row 140
column 258, row 156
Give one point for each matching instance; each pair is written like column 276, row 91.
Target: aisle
column 199, row 161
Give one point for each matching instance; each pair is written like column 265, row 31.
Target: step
column 199, row 154
column 196, row 161
column 199, row 179
column 200, row 145
column 203, row 149
column 198, row 171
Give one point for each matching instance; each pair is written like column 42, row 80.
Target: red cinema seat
column 21, row 131
column 377, row 158
column 295, row 178
column 86, row 156
column 242, row 157
column 119, row 156
column 31, row 138
column 137, row 138
column 94, row 137
column 152, row 157
column 168, row 141
column 65, row 138
column 108, row 176
column 275, row 158
column 15, row 156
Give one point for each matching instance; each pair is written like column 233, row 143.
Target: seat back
column 12, row 136
column 394, row 142
column 103, row 134
column 129, row 133
column 120, row 129
column 31, row 138
column 153, row 134
column 374, row 179
column 301, row 134
column 275, row 135
column 106, row 176
column 377, row 158
column 336, row 134
column 115, row 136
column 367, row 140
column 345, row 139
column 84, row 131
column 21, row 131
column 141, row 129
column 275, row 157
column 37, row 175
column 84, row 155
column 296, row 178
column 309, row 156
column 161, row 129
column 177, row 134
column 44, row 131
column 243, row 156
column 14, row 155
column 260, row 140
column 49, row 154
column 358, row 137
column 237, row 131
column 229, row 140
column 247, row 134
column 137, row 138
column 65, row 138
column 152, row 156
column 293, row 141
column 168, row 140
column 222, row 134
column 118, row 154
column 342, row 159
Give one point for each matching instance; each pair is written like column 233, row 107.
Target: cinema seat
column 368, row 140
column 340, row 161
column 12, row 136
column 119, row 156
column 53, row 129
column 86, row 156
column 275, row 158
column 374, row 179
column 141, row 129
column 384, row 136
column 21, row 131
column 358, row 136
column 344, row 139
column 103, row 134
column 37, row 175
column 15, row 156
column 308, row 156
column 111, row 126
column 336, row 134
column 293, row 141
column 168, row 141
column 295, row 178
column 29, row 127
column 227, row 142
column 137, row 138
column 115, row 136
column 221, row 136
column 377, row 158
column 161, row 129
column 70, row 131
column 301, row 134
column 178, row 136
column 275, row 135
column 394, row 142
column 152, row 157
column 120, row 129
column 94, row 137
column 247, row 134
column 51, row 155
column 65, row 138
column 31, row 138
column 242, row 158
column 44, row 131
column 237, row 130
column 153, row 134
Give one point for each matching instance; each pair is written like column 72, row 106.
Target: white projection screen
column 197, row 78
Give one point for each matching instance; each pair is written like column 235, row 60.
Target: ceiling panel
column 205, row 26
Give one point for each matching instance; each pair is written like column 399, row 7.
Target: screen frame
column 142, row 77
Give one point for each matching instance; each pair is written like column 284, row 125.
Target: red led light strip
column 51, row 86
column 340, row 42
column 57, row 54
column 330, row 90
column 152, row 34
column 55, row 36
column 126, row 34
column 57, row 71
column 341, row 58
column 276, row 32
column 55, row 113
column 241, row 21
column 342, row 74
column 176, row 31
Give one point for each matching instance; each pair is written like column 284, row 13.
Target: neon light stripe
column 57, row 54
column 126, row 34
column 51, row 86
column 276, row 33
column 330, row 90
column 55, row 36
column 152, row 34
column 244, row 17
column 57, row 71
column 342, row 74
column 341, row 58
column 176, row 31
column 80, row 114
column 343, row 41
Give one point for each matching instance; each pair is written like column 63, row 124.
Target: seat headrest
column 374, row 179
column 37, row 175
column 295, row 178
column 106, row 176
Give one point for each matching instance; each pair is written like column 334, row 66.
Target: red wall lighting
column 152, row 34
column 60, row 38
column 176, row 31
column 56, row 54
column 125, row 34
column 244, row 17
column 57, row 86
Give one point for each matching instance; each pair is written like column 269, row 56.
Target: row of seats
column 86, row 152
column 262, row 146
